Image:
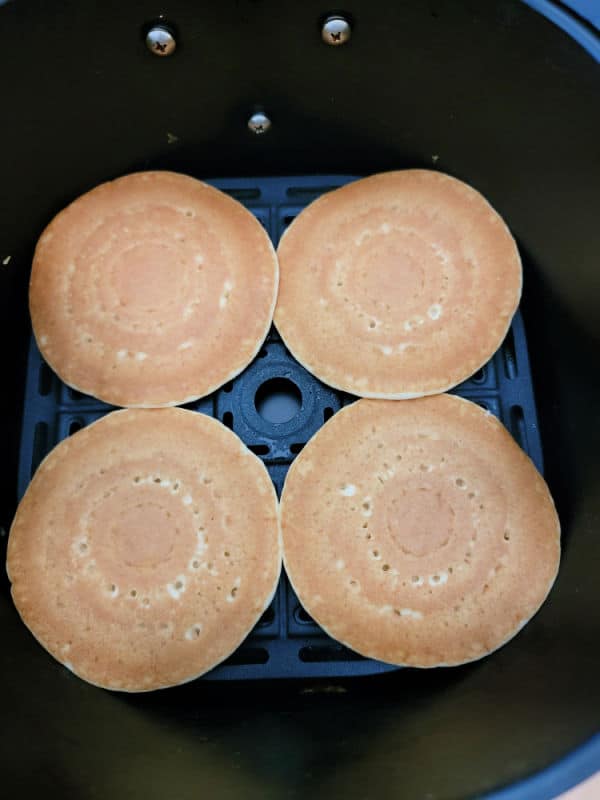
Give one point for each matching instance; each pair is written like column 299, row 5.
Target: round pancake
column 418, row 533
column 398, row 285
column 145, row 549
column 152, row 290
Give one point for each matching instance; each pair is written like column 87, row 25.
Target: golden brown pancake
column 152, row 290
column 145, row 549
column 418, row 533
column 398, row 285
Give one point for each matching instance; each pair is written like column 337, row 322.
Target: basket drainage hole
column 303, row 616
column 228, row 419
column 45, row 378
column 278, row 400
column 259, row 449
column 268, row 617
column 248, row 655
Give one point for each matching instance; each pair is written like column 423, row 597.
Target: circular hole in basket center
column 278, row 400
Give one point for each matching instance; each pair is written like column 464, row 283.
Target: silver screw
column 259, row 123
column 160, row 41
column 336, row 30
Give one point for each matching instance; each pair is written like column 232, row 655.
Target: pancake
column 418, row 533
column 398, row 285
column 152, row 290
column 145, row 549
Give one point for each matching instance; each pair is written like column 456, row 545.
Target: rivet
column 259, row 123
column 336, row 30
column 160, row 41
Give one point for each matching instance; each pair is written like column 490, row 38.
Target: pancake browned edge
column 418, row 533
column 152, row 290
column 398, row 285
column 145, row 549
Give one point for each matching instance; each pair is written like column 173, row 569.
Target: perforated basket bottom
column 293, row 405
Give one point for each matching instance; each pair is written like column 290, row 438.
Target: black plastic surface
column 275, row 406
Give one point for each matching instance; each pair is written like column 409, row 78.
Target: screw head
column 259, row 123
column 160, row 41
column 336, row 30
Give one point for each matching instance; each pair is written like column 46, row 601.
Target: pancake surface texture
column 152, row 290
column 418, row 533
column 145, row 549
column 398, row 285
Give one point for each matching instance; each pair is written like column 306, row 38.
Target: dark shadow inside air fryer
column 492, row 93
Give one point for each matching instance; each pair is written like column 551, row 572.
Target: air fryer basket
column 492, row 93
column 275, row 406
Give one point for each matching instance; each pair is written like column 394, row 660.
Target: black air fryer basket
column 254, row 100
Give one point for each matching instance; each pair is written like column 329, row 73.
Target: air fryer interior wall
column 492, row 93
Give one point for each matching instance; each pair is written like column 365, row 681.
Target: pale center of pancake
column 144, row 535
column 388, row 274
column 417, row 517
column 145, row 276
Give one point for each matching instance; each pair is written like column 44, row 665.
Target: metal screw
column 336, row 30
column 160, row 41
column 259, row 123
